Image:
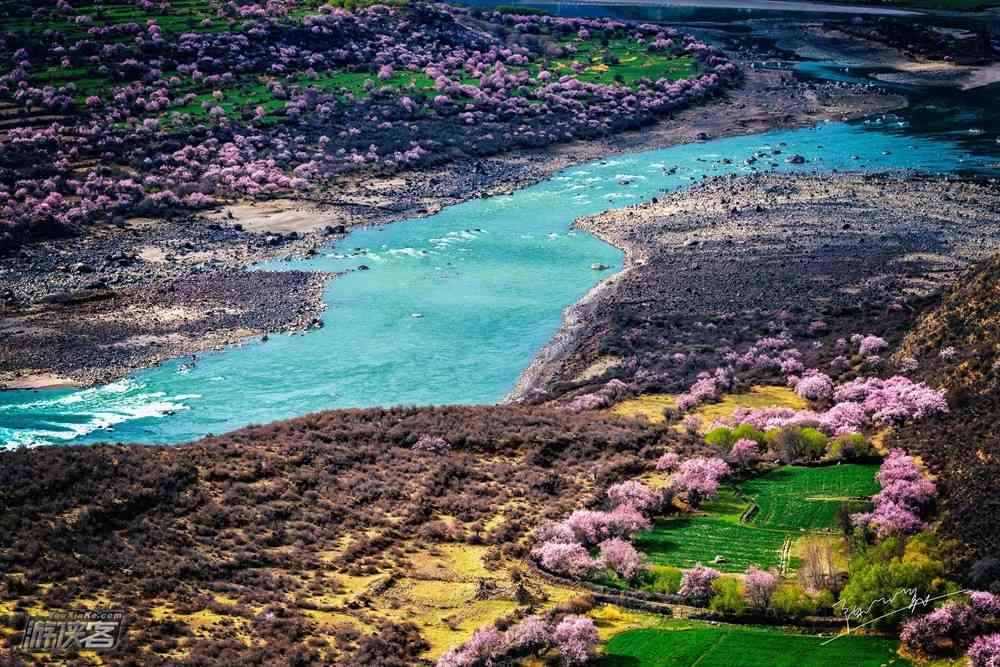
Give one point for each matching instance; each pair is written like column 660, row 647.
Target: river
column 454, row 306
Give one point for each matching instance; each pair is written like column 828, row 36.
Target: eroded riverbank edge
column 706, row 265
column 180, row 286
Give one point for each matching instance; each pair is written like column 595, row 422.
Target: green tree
column 727, row 596
column 887, row 578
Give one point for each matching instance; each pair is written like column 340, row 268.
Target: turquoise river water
column 454, row 307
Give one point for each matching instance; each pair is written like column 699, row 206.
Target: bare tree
column 819, row 570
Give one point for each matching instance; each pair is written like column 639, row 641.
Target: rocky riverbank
column 89, row 309
column 717, row 264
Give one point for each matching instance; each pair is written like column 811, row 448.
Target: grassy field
column 686, row 643
column 621, row 60
column 793, row 498
column 685, row 542
column 793, row 502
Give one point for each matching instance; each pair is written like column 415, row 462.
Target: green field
column 793, row 498
column 685, row 542
column 793, row 501
column 687, row 643
column 623, row 60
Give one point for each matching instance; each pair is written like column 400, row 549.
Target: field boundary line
column 785, row 556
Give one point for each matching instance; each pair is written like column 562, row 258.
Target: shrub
column 696, row 584
column 849, row 447
column 825, row 600
column 663, row 579
column 590, row 527
column 576, row 638
column 986, row 604
column 815, row 386
column 985, row 651
column 797, row 443
column 727, row 596
column 879, row 572
column 635, row 494
column 532, row 634
column 792, row 600
column 871, row 345
column 485, row 646
column 949, row 629
column 622, row 557
column 819, row 569
column 691, row 424
column 668, row 462
column 894, row 400
column 699, row 478
column 432, row 444
column 745, row 452
column 748, row 432
column 721, row 438
column 760, row 587
column 904, row 497
column 570, row 560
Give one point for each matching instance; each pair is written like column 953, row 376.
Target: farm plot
column 792, row 501
column 684, row 643
column 685, row 542
column 794, row 498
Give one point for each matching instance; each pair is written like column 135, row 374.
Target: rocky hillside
column 957, row 343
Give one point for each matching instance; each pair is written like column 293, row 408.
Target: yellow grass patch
column 759, row 396
column 840, row 559
column 599, row 367
column 878, row 441
column 456, row 562
column 650, row 405
column 611, row 620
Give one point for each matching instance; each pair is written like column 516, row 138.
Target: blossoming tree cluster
column 905, row 497
column 277, row 101
column 955, row 627
column 575, row 637
column 566, row 546
column 838, row 409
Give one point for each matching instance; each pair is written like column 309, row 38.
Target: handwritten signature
column 913, row 601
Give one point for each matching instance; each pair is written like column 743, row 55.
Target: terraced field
column 684, row 643
column 794, row 498
column 792, row 501
column 685, row 542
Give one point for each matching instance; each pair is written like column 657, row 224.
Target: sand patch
column 278, row 215
column 39, row 381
